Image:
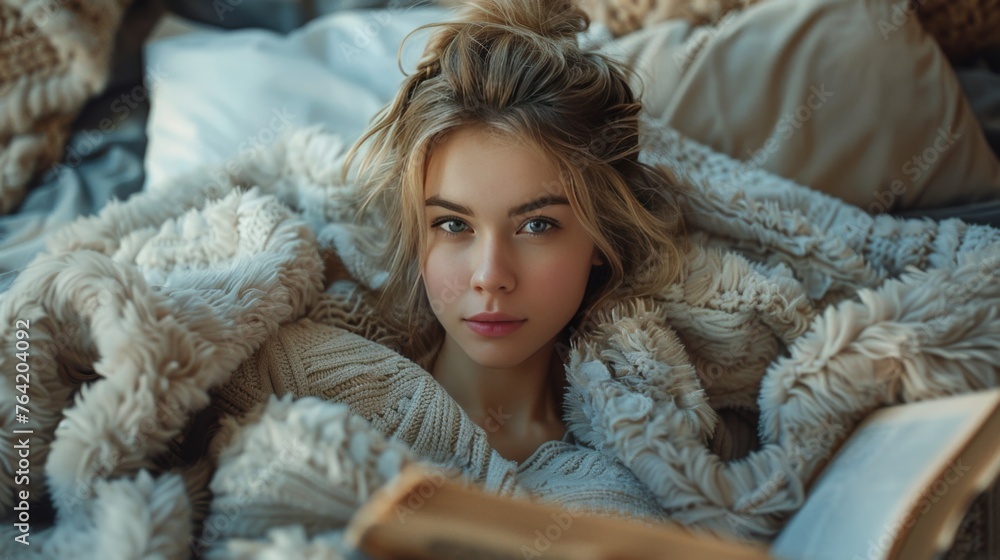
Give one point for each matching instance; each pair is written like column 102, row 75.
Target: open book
column 424, row 515
column 897, row 488
column 901, row 483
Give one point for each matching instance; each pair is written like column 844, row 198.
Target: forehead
column 477, row 166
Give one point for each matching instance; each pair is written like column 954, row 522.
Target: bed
column 113, row 168
column 198, row 111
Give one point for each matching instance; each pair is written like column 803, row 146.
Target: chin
column 498, row 357
column 492, row 361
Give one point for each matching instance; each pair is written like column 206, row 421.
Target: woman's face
column 507, row 259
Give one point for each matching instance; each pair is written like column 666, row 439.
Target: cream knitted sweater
column 150, row 316
column 403, row 402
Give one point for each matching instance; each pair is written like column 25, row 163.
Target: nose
column 493, row 271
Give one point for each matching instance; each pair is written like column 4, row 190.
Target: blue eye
column 452, row 226
column 539, row 226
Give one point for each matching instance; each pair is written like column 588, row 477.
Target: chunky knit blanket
column 54, row 55
column 158, row 333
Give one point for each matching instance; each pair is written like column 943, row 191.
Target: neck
column 512, row 398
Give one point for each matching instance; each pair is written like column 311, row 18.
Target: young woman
column 506, row 174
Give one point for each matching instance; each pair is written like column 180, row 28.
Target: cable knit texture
column 221, row 385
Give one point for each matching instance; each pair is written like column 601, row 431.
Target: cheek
column 563, row 278
column 442, row 276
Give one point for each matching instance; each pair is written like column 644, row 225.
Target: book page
column 868, row 494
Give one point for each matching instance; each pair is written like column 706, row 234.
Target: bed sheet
column 103, row 161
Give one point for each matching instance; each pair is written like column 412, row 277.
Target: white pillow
column 216, row 95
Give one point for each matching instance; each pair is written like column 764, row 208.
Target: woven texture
column 53, row 57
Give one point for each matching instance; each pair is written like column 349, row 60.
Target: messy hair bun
column 497, row 29
column 515, row 67
column 558, row 20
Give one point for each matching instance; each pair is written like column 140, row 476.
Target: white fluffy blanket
column 792, row 304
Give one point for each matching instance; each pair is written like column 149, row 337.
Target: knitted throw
column 54, row 55
column 160, row 328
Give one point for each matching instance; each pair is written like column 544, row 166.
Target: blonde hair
column 515, row 67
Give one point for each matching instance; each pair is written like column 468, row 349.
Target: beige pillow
column 844, row 96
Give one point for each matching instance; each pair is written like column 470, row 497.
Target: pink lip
column 493, row 328
column 492, row 317
column 493, row 324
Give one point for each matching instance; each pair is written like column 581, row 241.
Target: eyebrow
column 540, row 202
